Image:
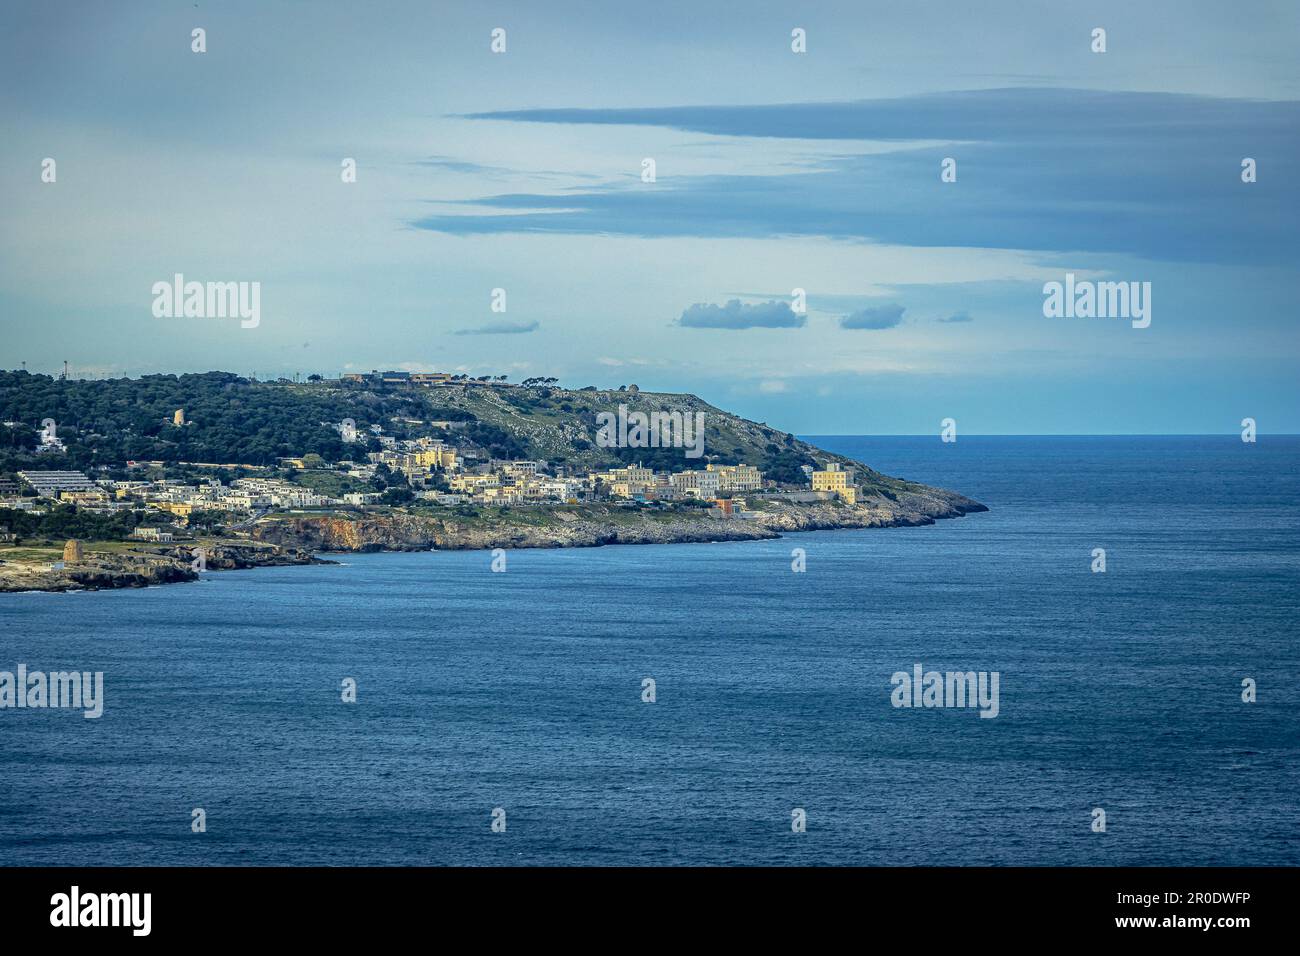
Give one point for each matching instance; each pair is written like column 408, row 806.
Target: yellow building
column 444, row 458
column 177, row 508
column 630, row 481
column 835, row 479
column 472, row 483
column 84, row 497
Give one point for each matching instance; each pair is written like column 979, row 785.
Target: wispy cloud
column 957, row 317
column 738, row 315
column 1059, row 170
column 879, row 317
column 499, row 328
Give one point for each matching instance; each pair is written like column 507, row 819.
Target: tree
column 397, row 496
column 382, row 477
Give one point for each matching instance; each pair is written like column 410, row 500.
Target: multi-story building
column 737, row 479
column 835, row 479
column 697, row 484
column 474, row 483
column 565, row 489
column 432, row 455
column 236, row 501
column 92, row 498
column 48, row 484
column 630, row 482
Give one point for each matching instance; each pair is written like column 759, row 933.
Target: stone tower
column 72, row 553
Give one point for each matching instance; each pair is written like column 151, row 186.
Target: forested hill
column 234, row 420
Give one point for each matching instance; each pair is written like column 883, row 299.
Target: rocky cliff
column 135, row 569
column 593, row 525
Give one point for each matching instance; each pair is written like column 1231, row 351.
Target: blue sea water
column 522, row 690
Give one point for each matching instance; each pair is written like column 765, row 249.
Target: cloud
column 962, row 316
column 738, row 315
column 1057, row 169
column 459, row 166
column 1027, row 115
column 452, row 165
column 880, row 317
column 499, row 328
column 772, row 386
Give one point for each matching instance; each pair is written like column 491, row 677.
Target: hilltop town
column 403, row 460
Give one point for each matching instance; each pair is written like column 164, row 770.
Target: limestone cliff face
column 99, row 571
column 595, row 525
column 237, row 556
column 96, row 572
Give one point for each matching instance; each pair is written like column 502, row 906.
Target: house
column 835, row 479
column 180, row 509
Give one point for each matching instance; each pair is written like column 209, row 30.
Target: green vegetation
column 67, row 521
column 332, row 484
column 231, row 420
column 31, row 555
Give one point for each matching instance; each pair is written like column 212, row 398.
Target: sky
column 525, row 171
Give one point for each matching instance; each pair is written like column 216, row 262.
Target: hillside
column 232, row 420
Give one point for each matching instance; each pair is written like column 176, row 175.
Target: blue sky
column 774, row 171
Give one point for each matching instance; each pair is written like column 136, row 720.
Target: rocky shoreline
column 293, row 539
column 597, row 526
column 173, row 565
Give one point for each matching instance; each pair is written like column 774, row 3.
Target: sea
column 1147, row 714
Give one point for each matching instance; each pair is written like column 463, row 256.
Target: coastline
column 116, row 570
column 297, row 539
